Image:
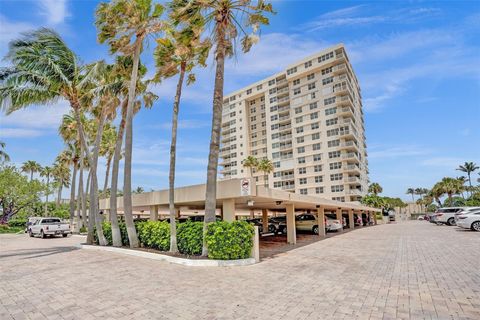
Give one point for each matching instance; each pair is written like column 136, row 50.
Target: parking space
column 411, row 270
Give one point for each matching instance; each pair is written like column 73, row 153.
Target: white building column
column 321, row 221
column 153, row 213
column 291, row 229
column 340, row 217
column 265, row 220
column 228, row 207
column 351, row 223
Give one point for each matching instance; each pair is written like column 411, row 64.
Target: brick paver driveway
column 410, row 270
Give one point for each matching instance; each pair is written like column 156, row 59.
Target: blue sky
column 418, row 63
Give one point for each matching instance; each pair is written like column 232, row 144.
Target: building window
column 331, row 122
column 316, row 146
column 296, row 82
column 301, row 160
column 317, row 168
column 300, row 139
column 317, row 157
column 302, row 170
column 315, row 126
column 273, row 108
column 298, row 119
column 327, row 80
column 333, row 143
column 311, row 76
column 316, row 136
column 330, row 111
column 274, row 117
column 336, row 177
column 318, row 179
column 273, row 99
column 301, row 150
column 325, row 57
column 249, row 91
column 308, row 64
column 291, row 70
column 259, row 87
column 253, row 118
column 318, row 190
column 335, row 165
column 334, row 154
column 313, row 105
column 311, row 86
column 298, row 110
column 296, row 91
column 327, row 70
column 329, row 101
column 272, row 91
column 299, row 130
column 332, row 132
column 276, row 164
column 314, row 116
column 303, row 191
column 271, row 82
column 302, row 181
column 337, row 188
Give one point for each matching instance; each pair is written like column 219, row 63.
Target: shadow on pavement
column 35, row 253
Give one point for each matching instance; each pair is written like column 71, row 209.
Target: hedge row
column 225, row 240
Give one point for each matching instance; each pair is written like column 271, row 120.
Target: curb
column 176, row 260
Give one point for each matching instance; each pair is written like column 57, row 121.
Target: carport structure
column 243, row 194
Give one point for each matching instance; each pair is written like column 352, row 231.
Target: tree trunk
column 31, row 176
column 173, row 148
column 72, row 193
column 46, row 197
column 116, row 235
column 94, row 181
column 59, row 194
column 84, row 210
column 105, row 184
column 80, row 221
column 211, row 187
column 127, row 176
column 413, row 198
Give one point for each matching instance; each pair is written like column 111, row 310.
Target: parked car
column 332, row 224
column 465, row 211
column 471, row 220
column 49, row 227
column 421, row 218
column 306, row 222
column 446, row 215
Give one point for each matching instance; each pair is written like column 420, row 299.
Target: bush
column 107, row 232
column 190, row 237
column 6, row 229
column 17, row 223
column 229, row 240
column 154, row 234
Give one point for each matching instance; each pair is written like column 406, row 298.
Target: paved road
column 412, row 270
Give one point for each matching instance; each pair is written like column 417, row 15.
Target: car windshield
column 51, row 221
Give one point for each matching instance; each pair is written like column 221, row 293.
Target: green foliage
column 83, row 229
column 229, row 240
column 454, row 202
column 154, row 234
column 7, row 229
column 17, row 223
column 107, row 232
column 190, row 237
column 61, row 211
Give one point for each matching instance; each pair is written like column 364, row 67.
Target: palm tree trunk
column 470, row 183
column 105, row 184
column 84, row 208
column 59, row 194
column 413, row 198
column 72, row 193
column 171, row 176
column 80, row 222
column 46, row 197
column 127, row 176
column 265, row 182
column 31, row 176
column 116, row 235
column 211, row 188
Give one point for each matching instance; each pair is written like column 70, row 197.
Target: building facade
column 308, row 120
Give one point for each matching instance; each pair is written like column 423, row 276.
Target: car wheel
column 64, row 235
column 476, row 226
column 284, row 230
column 271, row 228
column 43, row 235
column 315, row 229
column 451, row 221
column 30, row 233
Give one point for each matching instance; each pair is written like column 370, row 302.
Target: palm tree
column 107, row 148
column 61, row 175
column 375, row 188
column 44, row 70
column 451, row 186
column 3, row 155
column 178, row 53
column 437, row 192
column 47, row 173
column 226, row 19
column 252, row 163
column 265, row 166
column 31, row 167
column 138, row 190
column 411, row 191
column 468, row 168
column 125, row 25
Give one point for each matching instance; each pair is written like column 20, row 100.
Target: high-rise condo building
column 308, row 120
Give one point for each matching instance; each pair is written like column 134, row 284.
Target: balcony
column 340, row 68
column 285, row 127
column 285, row 137
column 281, row 82
column 345, row 111
column 287, row 177
column 345, row 100
column 286, row 147
column 283, row 100
column 284, row 118
column 351, row 168
column 352, row 180
column 282, row 92
column 355, row 192
column 348, row 145
column 288, row 187
column 349, row 156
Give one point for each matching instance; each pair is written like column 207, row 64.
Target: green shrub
column 229, row 240
column 83, row 229
column 190, row 237
column 6, row 229
column 107, row 232
column 154, row 234
column 18, row 223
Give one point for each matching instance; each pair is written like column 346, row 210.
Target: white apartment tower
column 308, row 120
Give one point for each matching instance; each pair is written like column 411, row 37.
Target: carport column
column 351, row 223
column 177, row 213
column 321, row 221
column 340, row 217
column 291, row 230
column 265, row 220
column 252, row 214
column 375, row 217
column 228, row 207
column 153, row 213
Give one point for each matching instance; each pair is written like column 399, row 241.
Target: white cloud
column 379, row 152
column 448, row 162
column 39, row 117
column 19, row 133
column 183, row 124
column 55, row 11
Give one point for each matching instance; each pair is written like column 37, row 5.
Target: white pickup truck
column 49, row 227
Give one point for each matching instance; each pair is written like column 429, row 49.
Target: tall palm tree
column 437, row 192
column 451, row 186
column 107, row 148
column 178, row 53
column 31, row 167
column 47, row 173
column 138, row 190
column 375, row 188
column 3, row 155
column 252, row 163
column 44, row 70
column 125, row 25
column 225, row 20
column 468, row 168
column 411, row 191
column 265, row 166
column 61, row 176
